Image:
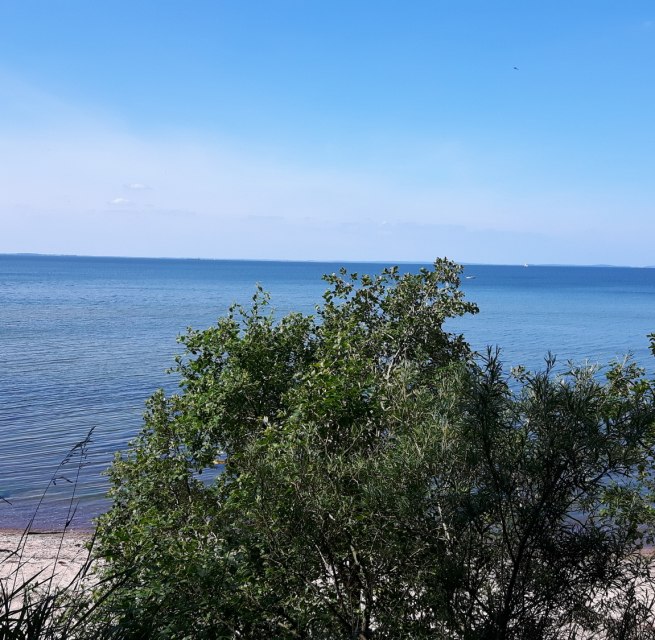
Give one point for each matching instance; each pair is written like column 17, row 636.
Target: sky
column 485, row 131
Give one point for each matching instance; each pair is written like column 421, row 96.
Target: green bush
column 379, row 481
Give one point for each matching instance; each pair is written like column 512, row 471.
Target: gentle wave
column 84, row 342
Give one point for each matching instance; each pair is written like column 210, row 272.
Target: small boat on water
column 470, row 277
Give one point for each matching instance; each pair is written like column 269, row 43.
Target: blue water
column 84, row 341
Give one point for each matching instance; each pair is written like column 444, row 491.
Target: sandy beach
column 43, row 553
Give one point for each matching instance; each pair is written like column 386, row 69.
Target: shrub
column 378, row 481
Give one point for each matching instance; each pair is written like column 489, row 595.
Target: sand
column 51, row 554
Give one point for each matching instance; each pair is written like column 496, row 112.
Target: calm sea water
column 84, row 341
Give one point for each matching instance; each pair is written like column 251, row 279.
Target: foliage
column 378, row 481
column 41, row 605
column 560, row 504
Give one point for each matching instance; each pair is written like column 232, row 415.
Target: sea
column 84, row 341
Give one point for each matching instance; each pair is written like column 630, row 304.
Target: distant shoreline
column 464, row 263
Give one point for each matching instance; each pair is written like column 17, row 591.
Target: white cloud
column 205, row 197
column 247, row 207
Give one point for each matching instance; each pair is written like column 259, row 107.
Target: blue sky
column 329, row 130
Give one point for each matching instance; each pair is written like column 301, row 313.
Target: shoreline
column 16, row 531
column 43, row 555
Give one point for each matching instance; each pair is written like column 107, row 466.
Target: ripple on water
column 84, row 342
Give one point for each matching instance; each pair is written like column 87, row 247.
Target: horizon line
column 318, row 261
